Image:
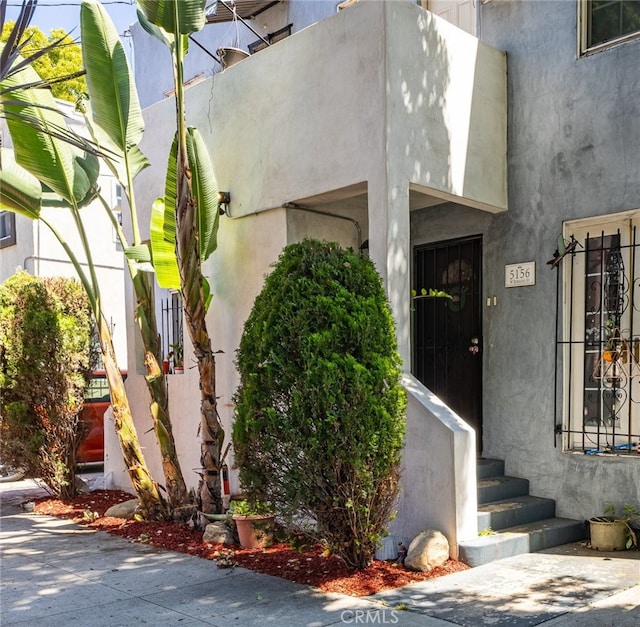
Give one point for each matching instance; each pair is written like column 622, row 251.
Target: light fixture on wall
column 224, row 198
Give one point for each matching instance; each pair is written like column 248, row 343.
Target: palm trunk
column 190, row 267
column 176, row 489
column 211, row 431
column 177, row 494
column 146, row 489
column 151, row 502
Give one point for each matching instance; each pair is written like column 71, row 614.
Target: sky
column 50, row 14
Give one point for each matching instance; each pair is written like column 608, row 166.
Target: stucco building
column 462, row 159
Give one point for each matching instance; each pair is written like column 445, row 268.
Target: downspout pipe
column 292, row 205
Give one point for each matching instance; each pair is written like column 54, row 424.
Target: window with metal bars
column 600, row 342
column 172, row 331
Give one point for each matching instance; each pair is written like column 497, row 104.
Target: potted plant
column 254, row 522
column 177, row 354
column 613, row 532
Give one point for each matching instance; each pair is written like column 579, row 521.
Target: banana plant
column 12, row 60
column 44, row 160
column 186, row 221
column 115, row 120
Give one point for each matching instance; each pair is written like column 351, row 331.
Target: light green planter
column 608, row 535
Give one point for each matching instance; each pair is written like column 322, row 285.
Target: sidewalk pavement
column 53, row 572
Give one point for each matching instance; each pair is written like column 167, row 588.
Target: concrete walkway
column 54, row 572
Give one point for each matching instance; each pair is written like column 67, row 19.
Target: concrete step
column 534, row 536
column 511, row 521
column 486, row 468
column 498, row 488
column 519, row 510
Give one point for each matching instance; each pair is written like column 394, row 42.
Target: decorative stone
column 126, row 510
column 218, row 533
column 82, row 487
column 183, row 513
column 427, row 550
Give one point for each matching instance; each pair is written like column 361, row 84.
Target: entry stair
column 511, row 521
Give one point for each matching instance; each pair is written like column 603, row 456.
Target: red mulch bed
column 308, row 566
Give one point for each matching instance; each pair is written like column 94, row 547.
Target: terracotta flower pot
column 254, row 532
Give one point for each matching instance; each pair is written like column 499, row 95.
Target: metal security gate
column 600, row 343
column 447, row 333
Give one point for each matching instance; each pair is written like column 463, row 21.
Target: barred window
column 172, row 329
column 600, row 345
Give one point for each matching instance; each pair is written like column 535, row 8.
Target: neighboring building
column 30, row 245
column 384, row 123
column 554, row 405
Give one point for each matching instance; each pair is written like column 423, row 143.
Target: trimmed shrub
column 46, row 357
column 320, row 412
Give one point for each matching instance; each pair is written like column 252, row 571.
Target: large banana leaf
column 205, row 192
column 115, row 109
column 20, row 191
column 179, row 17
column 12, row 61
column 67, row 170
column 163, row 247
column 163, row 227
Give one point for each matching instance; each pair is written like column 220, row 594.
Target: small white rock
column 126, row 510
column 427, row 550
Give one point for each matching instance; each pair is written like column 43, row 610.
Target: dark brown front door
column 448, row 332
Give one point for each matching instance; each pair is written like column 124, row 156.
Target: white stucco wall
column 439, row 471
column 384, row 93
column 246, row 248
column 445, row 123
column 302, row 117
column 49, row 259
column 446, row 109
column 365, row 98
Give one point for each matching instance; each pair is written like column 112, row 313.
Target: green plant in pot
column 177, row 354
column 254, row 523
column 613, row 531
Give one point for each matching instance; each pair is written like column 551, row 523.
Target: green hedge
column 320, row 413
column 47, row 352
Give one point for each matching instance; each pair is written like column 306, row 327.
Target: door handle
column 474, row 349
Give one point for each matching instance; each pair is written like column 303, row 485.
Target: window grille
column 599, row 345
column 171, row 323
